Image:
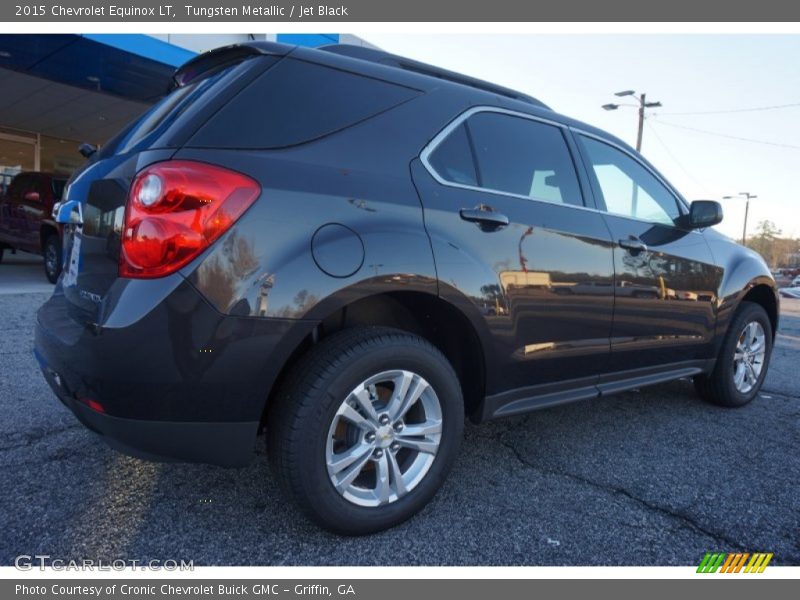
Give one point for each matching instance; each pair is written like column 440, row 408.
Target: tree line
column 777, row 250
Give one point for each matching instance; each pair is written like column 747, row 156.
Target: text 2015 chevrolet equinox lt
column 353, row 251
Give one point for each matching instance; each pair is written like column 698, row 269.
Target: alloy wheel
column 384, row 438
column 51, row 260
column 749, row 356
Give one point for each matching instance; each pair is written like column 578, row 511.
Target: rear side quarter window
column 453, row 159
column 296, row 102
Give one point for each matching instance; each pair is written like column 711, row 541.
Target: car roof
column 400, row 62
column 428, row 77
column 397, row 69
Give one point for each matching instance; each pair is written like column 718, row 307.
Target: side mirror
column 31, row 196
column 704, row 213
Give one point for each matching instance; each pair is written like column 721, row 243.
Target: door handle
column 484, row 216
column 633, row 245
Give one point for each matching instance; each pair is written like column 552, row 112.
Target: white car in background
column 793, row 291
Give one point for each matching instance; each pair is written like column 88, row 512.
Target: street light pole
column 748, row 196
column 643, row 104
column 641, row 123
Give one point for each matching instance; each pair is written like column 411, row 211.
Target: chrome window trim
column 431, row 146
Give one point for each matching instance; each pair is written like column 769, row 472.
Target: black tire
column 301, row 414
column 718, row 387
column 52, row 257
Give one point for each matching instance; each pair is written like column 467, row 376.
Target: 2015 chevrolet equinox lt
column 353, row 251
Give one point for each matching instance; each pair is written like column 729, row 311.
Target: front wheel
column 365, row 429
column 743, row 359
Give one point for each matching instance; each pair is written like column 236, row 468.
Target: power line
column 730, row 137
column 673, row 157
column 735, row 110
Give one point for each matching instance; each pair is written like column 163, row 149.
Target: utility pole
column 641, row 123
column 748, row 196
column 642, row 104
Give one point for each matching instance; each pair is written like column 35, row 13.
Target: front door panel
column 665, row 278
column 665, row 295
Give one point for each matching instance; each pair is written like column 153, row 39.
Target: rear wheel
column 52, row 257
column 365, row 429
column 743, row 359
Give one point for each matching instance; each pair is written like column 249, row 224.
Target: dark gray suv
column 353, row 251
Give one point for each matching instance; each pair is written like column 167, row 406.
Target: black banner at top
column 278, row 11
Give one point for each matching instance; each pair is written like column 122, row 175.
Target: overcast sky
column 577, row 74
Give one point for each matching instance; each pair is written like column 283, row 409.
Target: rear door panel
column 543, row 284
column 517, row 277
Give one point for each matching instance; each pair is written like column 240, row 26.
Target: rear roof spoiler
column 407, row 64
column 208, row 62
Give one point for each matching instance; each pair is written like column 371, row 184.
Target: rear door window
column 510, row 154
column 296, row 102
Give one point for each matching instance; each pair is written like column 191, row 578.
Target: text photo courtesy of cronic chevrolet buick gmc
column 352, row 252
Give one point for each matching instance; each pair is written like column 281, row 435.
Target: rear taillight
column 176, row 209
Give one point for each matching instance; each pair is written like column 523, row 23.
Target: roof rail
column 407, row 64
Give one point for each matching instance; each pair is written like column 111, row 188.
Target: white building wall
column 200, row 42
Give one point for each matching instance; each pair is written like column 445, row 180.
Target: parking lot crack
column 684, row 518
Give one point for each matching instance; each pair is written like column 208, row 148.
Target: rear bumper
column 224, row 444
column 182, row 383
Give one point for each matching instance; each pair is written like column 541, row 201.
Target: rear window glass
column 158, row 118
column 296, row 102
column 18, row 184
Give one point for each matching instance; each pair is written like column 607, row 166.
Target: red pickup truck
column 26, row 221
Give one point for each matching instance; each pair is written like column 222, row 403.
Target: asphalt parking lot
column 655, row 477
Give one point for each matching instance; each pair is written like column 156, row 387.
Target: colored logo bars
column 734, row 562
